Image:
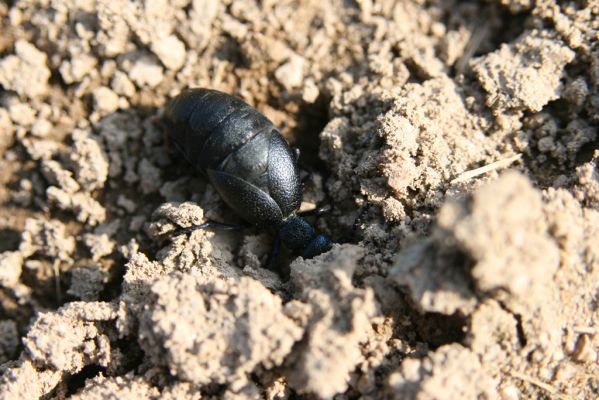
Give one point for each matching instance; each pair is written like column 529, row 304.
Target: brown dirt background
column 460, row 137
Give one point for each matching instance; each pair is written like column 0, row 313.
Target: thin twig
column 479, row 34
column 464, row 176
column 542, row 385
column 585, row 330
column 56, row 269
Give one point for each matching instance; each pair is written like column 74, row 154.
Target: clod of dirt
column 383, row 155
column 25, row 72
column 101, row 387
column 81, row 204
column 171, row 52
column 503, row 230
column 86, row 282
column 9, row 340
column 432, row 115
column 55, row 174
column 41, row 149
column 99, row 245
column 524, row 75
column 21, row 113
column 506, row 243
column 11, row 264
column 149, row 176
column 90, row 173
column 76, row 69
column 494, row 335
column 337, row 320
column 47, row 238
column 587, row 190
column 199, row 328
column 7, row 130
column 487, row 283
column 201, row 252
column 122, row 85
column 146, row 72
column 127, row 387
column 442, row 375
column 89, row 161
column 435, row 277
column 23, row 380
column 71, row 338
column 211, row 257
column 105, row 100
column 494, row 235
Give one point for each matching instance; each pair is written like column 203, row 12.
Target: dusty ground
column 460, row 137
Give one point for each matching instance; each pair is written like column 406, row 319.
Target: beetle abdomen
column 209, row 125
column 240, row 150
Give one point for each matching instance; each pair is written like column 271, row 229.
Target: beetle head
column 298, row 235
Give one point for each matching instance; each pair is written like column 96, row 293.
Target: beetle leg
column 308, row 177
column 219, row 226
column 274, row 253
column 317, row 211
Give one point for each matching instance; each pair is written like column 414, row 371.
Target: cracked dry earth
column 458, row 138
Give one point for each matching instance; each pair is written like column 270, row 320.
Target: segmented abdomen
column 219, row 132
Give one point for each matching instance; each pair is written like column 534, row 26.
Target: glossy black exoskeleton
column 247, row 160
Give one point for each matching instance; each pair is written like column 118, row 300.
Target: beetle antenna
column 211, row 225
column 316, row 211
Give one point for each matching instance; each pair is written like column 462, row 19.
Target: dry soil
column 456, row 143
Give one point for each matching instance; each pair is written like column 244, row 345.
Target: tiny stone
column 438, row 29
column 22, row 114
column 566, row 371
column 11, row 263
column 146, row 72
column 90, row 163
column 7, row 129
column 291, row 74
column 99, row 245
column 122, row 85
column 584, row 351
column 510, row 392
column 77, row 68
column 15, row 16
column 311, row 91
column 108, row 69
column 577, row 91
column 26, row 72
column 5, row 119
column 105, row 100
column 170, row 51
column 41, row 128
column 40, row 149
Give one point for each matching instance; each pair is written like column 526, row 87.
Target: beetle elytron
column 247, row 160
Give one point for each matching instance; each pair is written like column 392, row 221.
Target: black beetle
column 247, row 160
